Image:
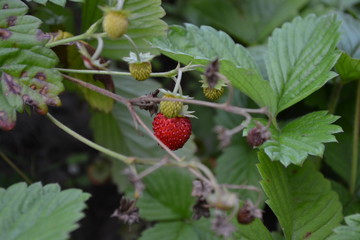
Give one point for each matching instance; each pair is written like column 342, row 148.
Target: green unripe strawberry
column 213, row 93
column 170, row 109
column 115, row 23
column 140, row 70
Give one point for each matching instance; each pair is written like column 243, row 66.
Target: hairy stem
column 16, row 169
column 91, row 144
column 355, row 146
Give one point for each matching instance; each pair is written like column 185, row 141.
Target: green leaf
column 199, row 230
column 350, row 231
column 204, row 44
column 301, row 198
column 253, row 231
column 144, row 24
column 348, row 68
column 300, row 56
column 26, row 66
column 237, row 165
column 249, row 21
column 167, row 195
column 57, row 2
column 301, row 137
column 39, row 212
column 348, row 65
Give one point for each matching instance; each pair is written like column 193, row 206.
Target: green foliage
column 338, row 158
column 301, row 137
column 201, row 45
column 301, row 198
column 300, row 56
column 144, row 24
column 348, row 66
column 39, row 212
column 167, row 195
column 27, row 74
column 249, row 21
column 57, row 2
column 179, row 230
column 253, row 231
column 231, row 167
column 349, row 232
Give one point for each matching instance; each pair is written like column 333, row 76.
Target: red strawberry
column 173, row 132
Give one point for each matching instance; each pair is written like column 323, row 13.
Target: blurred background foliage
column 44, row 153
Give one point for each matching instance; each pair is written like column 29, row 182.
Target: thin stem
column 247, row 187
column 137, row 53
column 74, row 38
column 177, row 82
column 99, row 48
column 335, row 96
column 16, row 169
column 97, row 89
column 119, row 5
column 355, row 147
column 91, row 144
column 66, row 40
column 170, row 73
column 152, row 169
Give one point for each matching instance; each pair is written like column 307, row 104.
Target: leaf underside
column 26, row 66
column 301, row 137
column 301, row 198
column 39, row 212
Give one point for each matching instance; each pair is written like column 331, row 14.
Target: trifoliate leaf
column 26, row 66
column 237, row 165
column 300, row 56
column 177, row 230
column 167, row 195
column 202, row 45
column 301, row 137
column 348, row 65
column 39, row 212
column 144, row 24
column 242, row 18
column 301, row 199
column 350, row 231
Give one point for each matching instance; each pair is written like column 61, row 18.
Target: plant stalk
column 91, row 144
column 16, row 169
column 355, row 147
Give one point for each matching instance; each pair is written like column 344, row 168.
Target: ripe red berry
column 173, row 132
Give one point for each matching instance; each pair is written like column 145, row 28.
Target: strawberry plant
column 210, row 122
